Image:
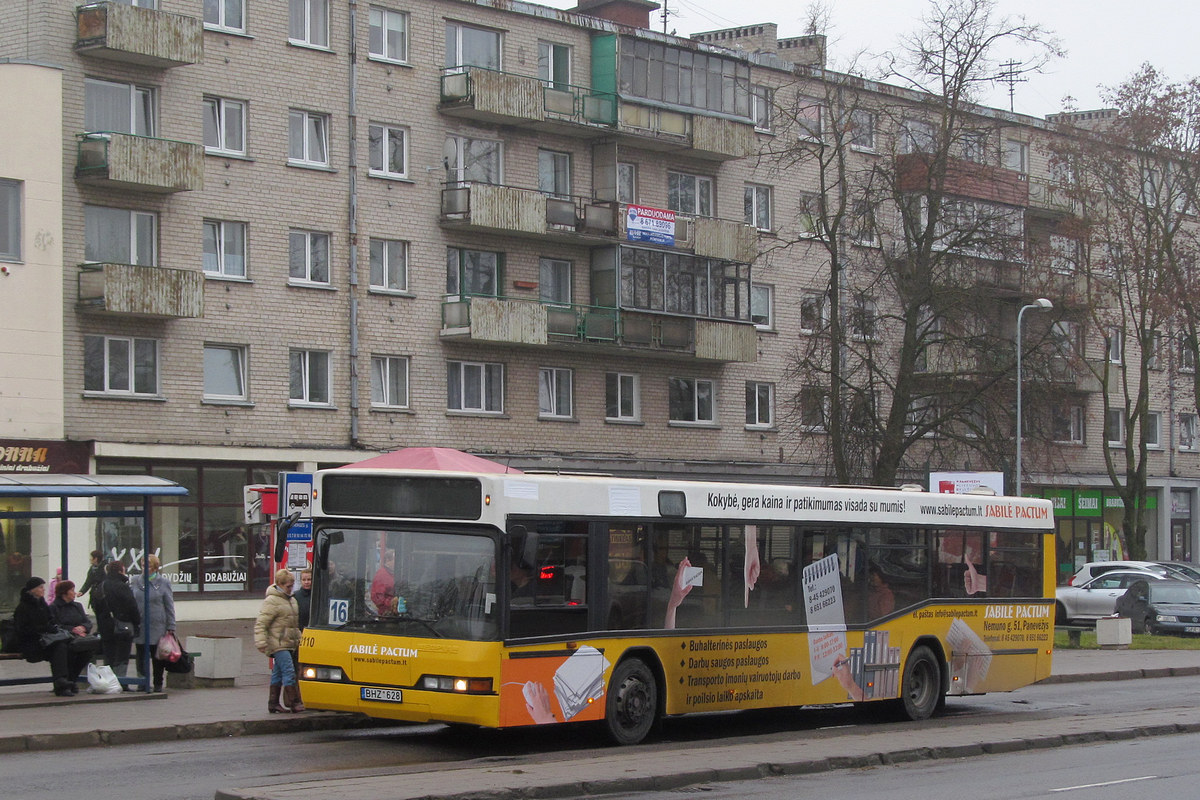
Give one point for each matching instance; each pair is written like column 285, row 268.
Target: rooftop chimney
column 635, row 13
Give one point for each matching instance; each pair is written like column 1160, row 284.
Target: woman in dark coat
column 69, row 615
column 32, row 618
column 116, row 605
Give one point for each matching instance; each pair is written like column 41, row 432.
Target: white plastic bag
column 102, row 680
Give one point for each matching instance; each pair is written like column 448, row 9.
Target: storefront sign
column 39, row 455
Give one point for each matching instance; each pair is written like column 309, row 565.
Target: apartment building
column 293, row 235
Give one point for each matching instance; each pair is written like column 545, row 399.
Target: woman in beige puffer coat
column 277, row 634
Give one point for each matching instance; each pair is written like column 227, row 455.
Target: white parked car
column 1094, row 569
column 1097, row 597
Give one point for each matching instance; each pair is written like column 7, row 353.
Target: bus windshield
column 407, row 583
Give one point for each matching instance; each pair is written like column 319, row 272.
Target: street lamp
column 1041, row 304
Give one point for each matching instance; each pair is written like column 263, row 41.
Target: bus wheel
column 922, row 687
column 632, row 704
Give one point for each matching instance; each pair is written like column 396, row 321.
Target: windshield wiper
column 423, row 623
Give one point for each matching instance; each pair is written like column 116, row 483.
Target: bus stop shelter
column 66, row 487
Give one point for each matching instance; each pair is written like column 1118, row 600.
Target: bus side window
column 629, row 578
column 762, row 576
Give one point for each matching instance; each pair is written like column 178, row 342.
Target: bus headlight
column 312, row 673
column 448, row 683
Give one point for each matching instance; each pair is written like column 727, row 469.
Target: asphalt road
column 186, row 770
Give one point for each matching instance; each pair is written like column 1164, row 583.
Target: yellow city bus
column 504, row 600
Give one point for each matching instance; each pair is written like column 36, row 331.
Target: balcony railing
column 522, row 321
column 141, row 291
column 139, row 163
column 492, row 96
column 1051, row 196
column 134, row 35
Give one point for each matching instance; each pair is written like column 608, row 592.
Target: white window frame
column 975, row 146
column 221, row 261
column 762, row 106
column 390, row 381
column 306, row 368
column 1064, row 254
column 1114, row 345
column 310, row 245
column 862, row 219
column 1073, row 415
column 554, row 173
column 458, row 268
column 757, row 416
column 556, row 395
column 141, row 108
column 1152, row 352
column 222, row 22
column 812, row 300
column 918, row 414
column 388, row 260
column 810, row 119
column 1114, row 415
column 308, row 138
column 388, row 35
column 758, row 202
column 10, row 219
column 699, row 415
column 455, row 45
column 622, row 392
column 490, row 387
column 1016, row 156
column 308, row 23
column 1187, row 358
column 808, row 219
column 813, row 399
column 864, row 314
column 218, row 111
column 229, row 360
column 762, row 306
column 553, row 59
column 555, row 275
column 701, row 191
column 130, row 374
column 141, row 228
column 627, row 182
column 917, row 136
column 1189, row 433
column 1152, row 430
column 862, row 132
column 458, row 148
column 382, row 140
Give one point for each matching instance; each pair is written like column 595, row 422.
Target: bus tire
column 631, row 707
column 921, row 689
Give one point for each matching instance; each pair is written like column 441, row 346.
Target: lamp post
column 1041, row 304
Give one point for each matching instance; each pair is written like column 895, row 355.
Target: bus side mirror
column 281, row 529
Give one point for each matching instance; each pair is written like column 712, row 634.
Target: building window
column 626, row 183
column 920, row 417
column 974, row 146
column 308, row 138
column 692, row 400
column 810, row 115
column 621, row 397
column 468, row 46
column 554, row 173
column 389, row 35
column 1187, row 433
column 690, row 194
column 1064, row 336
column 224, row 126
column 10, row 220
column 1114, row 427
column 119, row 365
column 813, row 404
column 224, row 248
column 388, row 151
column 554, row 392
column 680, row 283
column 308, row 257
column 861, row 223
column 1016, row 156
column 917, row 136
column 812, row 312
column 118, row 108
column 309, row 381
column 555, row 284
column 808, row 218
column 760, row 405
column 473, row 272
column 1114, row 345
column 224, row 372
column 1064, row 254
column 862, row 130
column 225, row 15
column 119, row 236
column 389, row 265
column 863, row 318
column 389, row 381
column 1152, row 350
column 679, row 76
column 1066, row 424
column 1152, row 430
column 554, row 65
column 308, row 22
column 473, row 160
column 1187, row 355
column 762, row 100
column 473, row 386
column 758, row 206
column 762, row 305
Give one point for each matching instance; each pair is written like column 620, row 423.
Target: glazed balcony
column 144, row 36
column 964, row 179
column 141, row 291
column 139, row 163
column 525, row 322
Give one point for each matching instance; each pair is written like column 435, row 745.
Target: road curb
column 1122, row 675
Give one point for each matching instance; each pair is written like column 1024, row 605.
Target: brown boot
column 273, row 706
column 291, row 699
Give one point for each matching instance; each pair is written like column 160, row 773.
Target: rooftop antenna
column 1011, row 75
column 665, row 14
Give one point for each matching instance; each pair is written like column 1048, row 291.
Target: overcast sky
column 1105, row 40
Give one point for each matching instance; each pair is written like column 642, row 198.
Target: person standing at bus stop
column 158, row 615
column 277, row 634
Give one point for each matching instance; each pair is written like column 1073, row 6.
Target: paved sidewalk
column 36, row 720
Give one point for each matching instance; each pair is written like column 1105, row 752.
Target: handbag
column 85, row 644
column 54, row 637
column 122, row 629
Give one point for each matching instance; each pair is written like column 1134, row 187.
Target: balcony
column 514, row 211
column 963, row 179
column 143, row 36
column 502, row 98
column 642, row 333
column 696, row 135
column 139, row 291
column 139, row 163
column 1052, row 197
